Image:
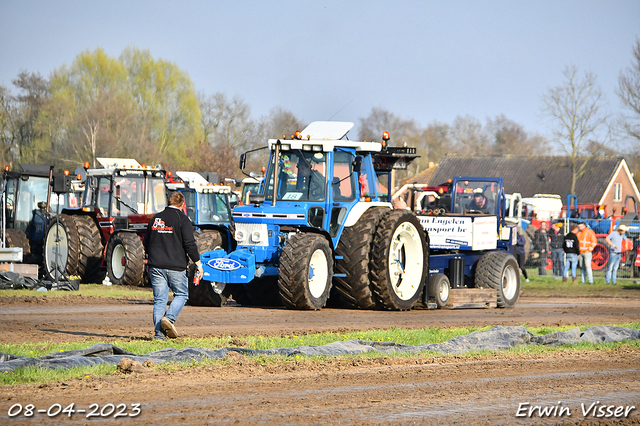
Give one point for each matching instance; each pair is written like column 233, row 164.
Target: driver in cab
column 310, row 182
column 480, row 203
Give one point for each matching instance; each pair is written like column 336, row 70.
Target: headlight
column 239, row 235
column 256, row 236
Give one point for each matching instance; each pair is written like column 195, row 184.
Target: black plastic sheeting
column 14, row 281
column 497, row 338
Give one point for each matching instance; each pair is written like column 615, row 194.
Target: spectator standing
column 521, row 252
column 571, row 248
column 168, row 242
column 587, row 239
column 615, row 240
column 556, row 237
column 541, row 245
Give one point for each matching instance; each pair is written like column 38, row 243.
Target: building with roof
column 605, row 181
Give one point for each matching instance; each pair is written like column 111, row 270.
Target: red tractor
column 107, row 231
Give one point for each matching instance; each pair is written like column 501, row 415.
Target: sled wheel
column 207, row 293
column 440, row 289
column 306, row 269
column 355, row 249
column 499, row 270
column 91, row 248
column 125, row 259
column 600, row 255
column 399, row 260
column 61, row 237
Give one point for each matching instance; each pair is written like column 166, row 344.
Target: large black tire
column 16, row 238
column 499, row 270
column 207, row 239
column 440, row 289
column 67, row 246
column 355, row 248
column 399, row 261
column 204, row 293
column 306, row 269
column 91, row 248
column 125, row 259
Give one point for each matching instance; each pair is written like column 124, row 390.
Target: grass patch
column 93, row 290
column 398, row 335
column 554, row 287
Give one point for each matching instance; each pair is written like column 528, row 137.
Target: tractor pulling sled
column 319, row 228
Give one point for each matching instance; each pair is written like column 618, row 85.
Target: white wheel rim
column 444, row 291
column 318, row 273
column 406, row 261
column 509, row 282
column 50, row 248
column 117, row 267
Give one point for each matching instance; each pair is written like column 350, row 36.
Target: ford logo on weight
column 224, row 264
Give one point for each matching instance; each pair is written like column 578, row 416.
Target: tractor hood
column 284, row 213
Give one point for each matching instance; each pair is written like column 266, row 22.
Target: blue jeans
column 585, row 265
column 572, row 259
column 612, row 267
column 557, row 257
column 161, row 281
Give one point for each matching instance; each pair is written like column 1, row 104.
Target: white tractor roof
column 117, row 163
column 200, row 184
column 329, row 130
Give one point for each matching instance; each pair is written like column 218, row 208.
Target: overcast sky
column 422, row 60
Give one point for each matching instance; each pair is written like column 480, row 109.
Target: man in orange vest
column 587, row 240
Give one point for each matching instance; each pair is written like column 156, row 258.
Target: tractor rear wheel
column 125, row 259
column 399, row 260
column 207, row 293
column 91, row 248
column 61, row 238
column 499, row 270
column 16, row 238
column 440, row 289
column 207, row 239
column 355, row 249
column 306, row 269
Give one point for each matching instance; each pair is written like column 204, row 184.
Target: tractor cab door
column 342, row 190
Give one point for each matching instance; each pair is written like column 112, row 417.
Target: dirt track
column 445, row 390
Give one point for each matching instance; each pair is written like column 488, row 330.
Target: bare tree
column 469, row 137
column 629, row 92
column 575, row 113
column 511, row 138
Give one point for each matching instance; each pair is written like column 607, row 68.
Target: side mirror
column 243, row 161
column 357, row 164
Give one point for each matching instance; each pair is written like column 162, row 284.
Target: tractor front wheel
column 206, row 293
column 440, row 289
column 125, row 259
column 306, row 269
column 61, row 249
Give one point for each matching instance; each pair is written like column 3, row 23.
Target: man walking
column 587, row 239
column 615, row 240
column 167, row 242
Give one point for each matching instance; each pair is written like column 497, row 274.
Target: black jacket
column 169, row 240
column 571, row 244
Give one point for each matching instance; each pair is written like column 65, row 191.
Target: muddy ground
column 417, row 390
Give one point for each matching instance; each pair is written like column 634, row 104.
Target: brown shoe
column 573, row 280
column 167, row 326
column 564, row 279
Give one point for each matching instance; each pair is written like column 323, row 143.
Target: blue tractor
column 471, row 244
column 318, row 228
